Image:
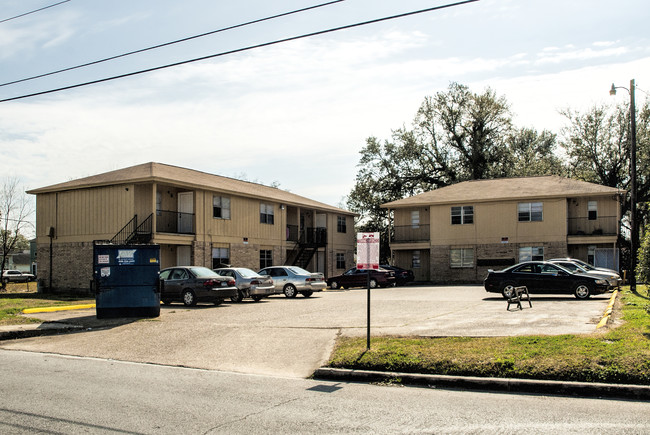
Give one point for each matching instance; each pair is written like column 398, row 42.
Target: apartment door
column 185, row 212
column 183, row 256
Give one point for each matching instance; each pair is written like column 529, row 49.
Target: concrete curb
column 561, row 388
column 608, row 311
column 36, row 330
column 61, row 308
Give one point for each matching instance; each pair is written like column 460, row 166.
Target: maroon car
column 359, row 278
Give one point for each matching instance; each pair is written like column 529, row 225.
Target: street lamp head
column 613, row 90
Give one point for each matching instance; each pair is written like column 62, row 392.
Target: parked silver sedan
column 292, row 280
column 614, row 279
column 249, row 283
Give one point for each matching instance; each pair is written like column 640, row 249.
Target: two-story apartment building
column 196, row 217
column 457, row 233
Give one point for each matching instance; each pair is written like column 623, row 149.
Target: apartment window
column 220, row 207
column 341, row 224
column 462, row 215
column 415, row 260
column 266, row 258
column 592, row 210
column 531, row 253
column 266, row 214
column 461, row 257
column 415, row 219
column 220, row 257
column 340, row 261
column 530, row 211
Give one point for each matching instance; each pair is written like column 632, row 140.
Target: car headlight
column 601, row 281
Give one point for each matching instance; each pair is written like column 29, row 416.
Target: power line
column 239, row 50
column 171, row 43
column 36, row 10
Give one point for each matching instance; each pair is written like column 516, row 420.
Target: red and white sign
column 367, row 250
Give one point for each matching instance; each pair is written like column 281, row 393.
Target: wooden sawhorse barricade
column 518, row 294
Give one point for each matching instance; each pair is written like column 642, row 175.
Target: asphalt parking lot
column 293, row 337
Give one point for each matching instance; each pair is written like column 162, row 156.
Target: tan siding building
column 457, row 233
column 196, row 218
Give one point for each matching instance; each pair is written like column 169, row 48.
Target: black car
column 544, row 277
column 402, row 276
column 359, row 278
column 192, row 284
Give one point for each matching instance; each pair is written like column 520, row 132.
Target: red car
column 359, row 278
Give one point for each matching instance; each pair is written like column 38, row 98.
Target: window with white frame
column 415, row 260
column 220, row 207
column 592, row 207
column 531, row 253
column 462, row 215
column 266, row 214
column 220, row 257
column 530, row 211
column 415, row 219
column 461, row 257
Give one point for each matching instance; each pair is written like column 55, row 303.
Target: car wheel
column 307, row 293
column 257, row 298
column 582, row 291
column 218, row 302
column 334, row 285
column 239, row 297
column 290, row 291
column 372, row 283
column 188, row 298
column 508, row 290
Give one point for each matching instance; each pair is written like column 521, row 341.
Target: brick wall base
column 72, row 268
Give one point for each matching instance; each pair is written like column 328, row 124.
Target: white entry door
column 183, row 256
column 185, row 212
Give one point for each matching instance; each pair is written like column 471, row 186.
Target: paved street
column 293, row 337
column 55, row 394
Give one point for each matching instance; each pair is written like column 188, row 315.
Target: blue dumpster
column 126, row 280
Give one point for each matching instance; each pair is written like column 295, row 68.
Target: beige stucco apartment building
column 457, row 233
column 196, row 217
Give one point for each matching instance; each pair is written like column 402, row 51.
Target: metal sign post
column 368, row 259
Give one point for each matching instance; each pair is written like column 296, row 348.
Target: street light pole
column 634, row 231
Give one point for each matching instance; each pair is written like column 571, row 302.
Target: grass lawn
column 612, row 355
column 19, row 296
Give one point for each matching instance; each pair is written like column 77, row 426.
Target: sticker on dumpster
column 104, row 272
column 103, row 259
column 126, row 256
column 153, row 260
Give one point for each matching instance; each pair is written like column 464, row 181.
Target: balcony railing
column 174, row 222
column 307, row 236
column 411, row 233
column 601, row 226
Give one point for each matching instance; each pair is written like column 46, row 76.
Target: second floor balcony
column 174, row 222
column 411, row 233
column 600, row 226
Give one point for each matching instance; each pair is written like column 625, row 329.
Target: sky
column 298, row 113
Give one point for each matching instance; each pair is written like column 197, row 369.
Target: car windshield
column 298, row 270
column 203, row 272
column 247, row 273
